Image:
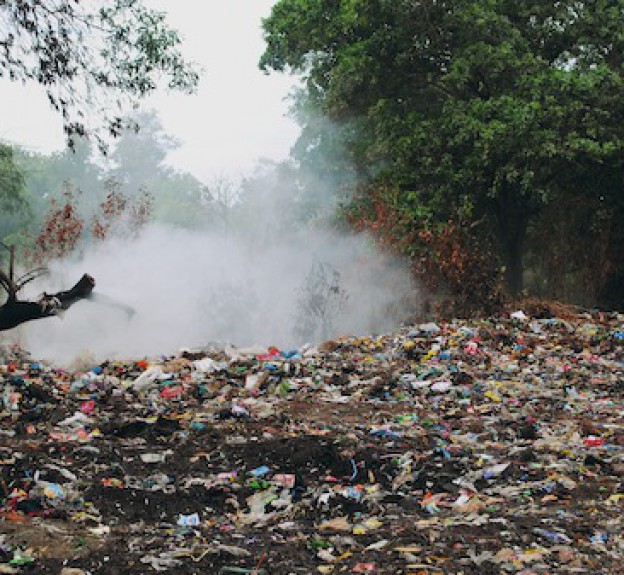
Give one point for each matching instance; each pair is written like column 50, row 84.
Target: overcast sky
column 238, row 116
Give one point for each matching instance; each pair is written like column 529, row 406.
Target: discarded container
column 189, row 520
column 242, row 570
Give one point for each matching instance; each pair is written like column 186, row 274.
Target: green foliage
column 14, row 211
column 137, row 163
column 11, row 181
column 490, row 111
column 138, row 158
column 46, row 176
column 179, row 200
column 135, row 167
column 91, row 57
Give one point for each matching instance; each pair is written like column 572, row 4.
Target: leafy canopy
column 11, row 181
column 486, row 109
column 92, row 58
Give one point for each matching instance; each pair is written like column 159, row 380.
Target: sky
column 239, row 115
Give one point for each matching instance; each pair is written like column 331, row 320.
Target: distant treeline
column 55, row 205
column 33, row 186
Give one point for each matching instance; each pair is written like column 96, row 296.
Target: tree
column 46, row 177
column 134, row 168
column 61, row 230
column 11, row 180
column 487, row 110
column 320, row 300
column 138, row 157
column 120, row 216
column 92, row 58
column 12, row 192
column 137, row 163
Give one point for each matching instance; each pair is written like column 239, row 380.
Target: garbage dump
column 466, row 447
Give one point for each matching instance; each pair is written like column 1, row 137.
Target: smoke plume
column 189, row 289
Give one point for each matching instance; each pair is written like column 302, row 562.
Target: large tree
column 138, row 158
column 92, row 58
column 490, row 109
column 11, row 181
column 13, row 204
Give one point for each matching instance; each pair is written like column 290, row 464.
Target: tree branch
column 15, row 312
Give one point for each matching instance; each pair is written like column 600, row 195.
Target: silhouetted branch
column 15, row 312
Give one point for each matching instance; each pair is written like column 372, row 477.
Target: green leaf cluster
column 497, row 111
column 92, row 58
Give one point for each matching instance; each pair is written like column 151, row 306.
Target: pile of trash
column 468, row 447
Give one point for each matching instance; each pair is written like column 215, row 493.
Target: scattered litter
column 492, row 445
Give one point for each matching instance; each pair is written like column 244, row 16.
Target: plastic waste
column 394, row 453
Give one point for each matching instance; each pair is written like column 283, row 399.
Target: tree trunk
column 514, row 268
column 15, row 312
column 513, row 214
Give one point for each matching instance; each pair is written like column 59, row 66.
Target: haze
column 267, row 282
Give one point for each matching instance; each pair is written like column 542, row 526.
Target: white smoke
column 191, row 288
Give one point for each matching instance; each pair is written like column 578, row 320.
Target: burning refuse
column 190, row 288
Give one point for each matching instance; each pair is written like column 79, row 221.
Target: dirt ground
column 475, row 448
